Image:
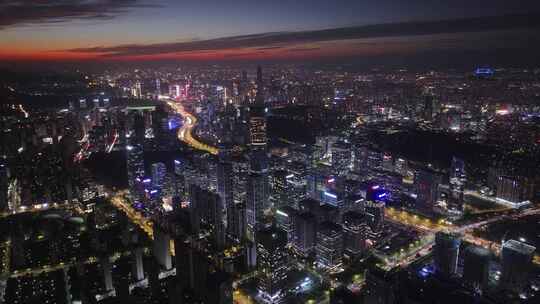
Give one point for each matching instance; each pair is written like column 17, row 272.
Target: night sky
column 123, row 30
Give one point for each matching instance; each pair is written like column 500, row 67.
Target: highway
column 185, row 132
column 123, row 205
column 428, row 226
column 113, row 142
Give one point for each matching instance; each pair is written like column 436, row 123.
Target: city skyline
column 269, row 152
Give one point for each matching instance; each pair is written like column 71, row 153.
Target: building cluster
column 285, row 183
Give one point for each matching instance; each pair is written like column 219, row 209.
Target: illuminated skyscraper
column 272, row 263
column 341, row 157
column 136, row 91
column 225, row 191
column 158, row 87
column 257, row 190
column 374, row 211
column 159, row 173
column 257, row 128
column 285, row 220
column 458, row 178
column 135, row 164
column 329, row 248
column 257, row 118
column 279, row 188
column 356, row 232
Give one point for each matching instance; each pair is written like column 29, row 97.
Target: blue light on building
column 426, row 271
column 484, row 72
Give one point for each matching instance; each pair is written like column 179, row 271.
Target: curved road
column 185, row 132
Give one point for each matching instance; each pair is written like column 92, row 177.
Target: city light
column 290, row 162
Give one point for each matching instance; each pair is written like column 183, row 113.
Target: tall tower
column 258, row 183
column 446, row 253
column 257, row 127
column 257, row 117
column 158, row 87
column 258, row 190
column 272, row 263
column 225, row 190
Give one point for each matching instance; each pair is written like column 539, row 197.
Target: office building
column 446, row 253
column 280, row 188
column 516, row 260
column 161, row 248
column 514, row 189
column 355, row 230
column 135, row 164
column 374, row 211
column 426, row 184
column 257, row 192
column 272, row 263
column 329, row 248
column 476, row 266
column 285, row 220
column 305, row 232
column 341, row 157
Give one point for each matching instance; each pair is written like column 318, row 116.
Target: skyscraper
column 285, row 220
column 341, row 157
column 374, row 211
column 279, row 188
column 135, row 164
column 257, row 118
column 217, row 219
column 514, row 189
column 257, row 127
column 161, row 179
column 257, row 190
column 516, row 259
column 161, row 248
column 446, row 252
column 329, row 248
column 476, row 266
column 225, row 191
column 426, row 183
column 305, row 235
column 458, row 179
column 272, row 263
column 355, row 231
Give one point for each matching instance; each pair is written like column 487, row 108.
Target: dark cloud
column 281, row 39
column 24, row 12
column 305, row 49
column 274, row 47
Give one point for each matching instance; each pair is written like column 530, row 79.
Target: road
column 426, row 225
column 113, row 142
column 137, row 218
column 240, row 297
column 185, row 132
column 85, row 144
column 62, row 265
